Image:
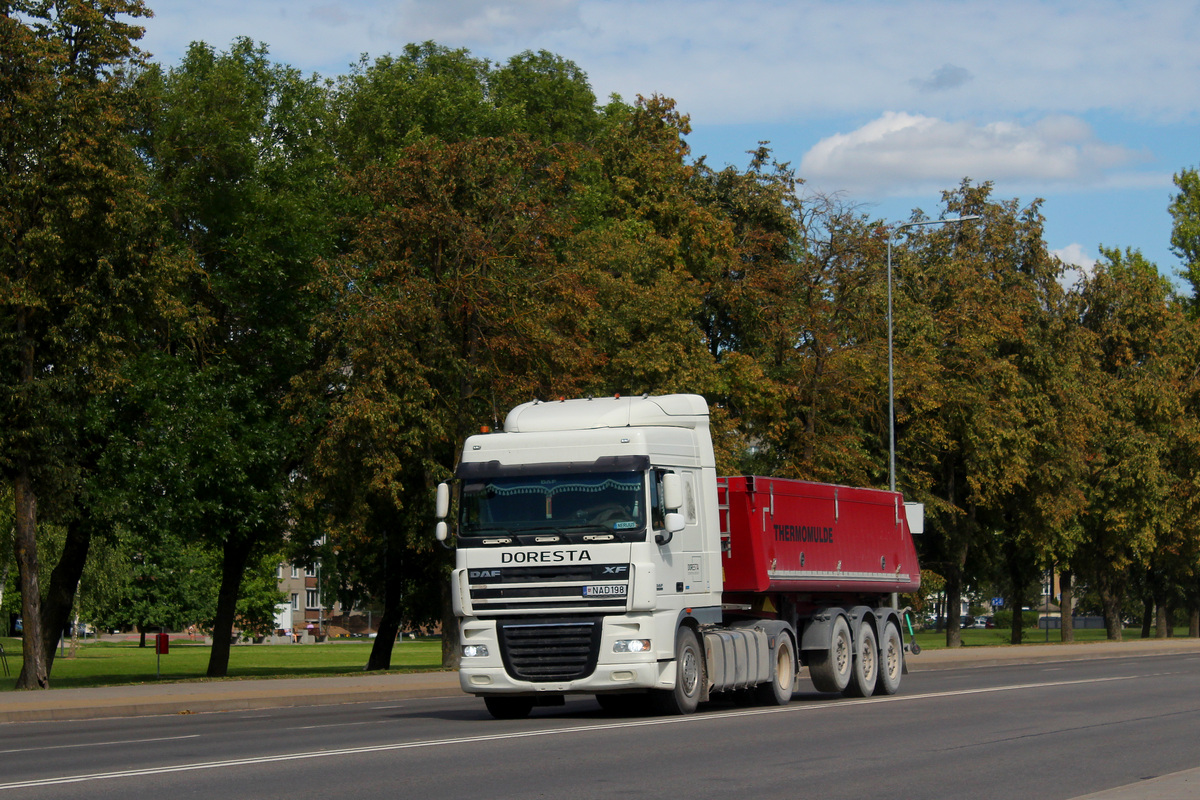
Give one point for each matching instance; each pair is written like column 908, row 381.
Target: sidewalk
column 238, row 695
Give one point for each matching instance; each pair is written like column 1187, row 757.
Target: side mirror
column 443, row 501
column 672, row 491
column 441, row 531
column 672, row 524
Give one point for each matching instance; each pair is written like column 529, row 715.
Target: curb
column 236, row 695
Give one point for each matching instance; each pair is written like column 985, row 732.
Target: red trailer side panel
column 797, row 536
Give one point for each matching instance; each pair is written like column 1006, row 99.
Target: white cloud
column 504, row 23
column 901, row 154
column 1080, row 264
column 756, row 61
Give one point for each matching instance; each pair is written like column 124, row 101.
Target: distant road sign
column 997, row 601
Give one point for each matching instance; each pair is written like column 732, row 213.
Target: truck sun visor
column 469, row 470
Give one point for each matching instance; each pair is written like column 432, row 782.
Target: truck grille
column 574, row 587
column 549, row 650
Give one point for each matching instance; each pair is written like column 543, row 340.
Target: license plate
column 605, row 590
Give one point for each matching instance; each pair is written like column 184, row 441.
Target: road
column 1053, row 731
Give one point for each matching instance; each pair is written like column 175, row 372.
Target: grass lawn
column 110, row 663
column 993, row 637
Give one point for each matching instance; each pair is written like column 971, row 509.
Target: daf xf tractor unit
column 598, row 552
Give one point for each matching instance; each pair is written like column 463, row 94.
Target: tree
column 1134, row 497
column 1185, row 231
column 77, row 264
column 965, row 404
column 242, row 160
column 449, row 304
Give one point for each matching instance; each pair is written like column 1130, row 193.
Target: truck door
column 683, row 565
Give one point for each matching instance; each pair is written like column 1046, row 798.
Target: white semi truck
column 598, row 552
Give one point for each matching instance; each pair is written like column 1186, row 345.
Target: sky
column 1090, row 106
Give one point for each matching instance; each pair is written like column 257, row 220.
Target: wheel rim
column 842, row 654
column 690, row 670
column 893, row 658
column 868, row 659
column 783, row 668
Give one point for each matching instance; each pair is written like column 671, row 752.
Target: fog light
column 631, row 645
column 474, row 651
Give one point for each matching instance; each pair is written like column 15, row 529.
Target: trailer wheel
column 502, row 707
column 830, row 669
column 778, row 690
column 891, row 664
column 866, row 664
column 689, row 677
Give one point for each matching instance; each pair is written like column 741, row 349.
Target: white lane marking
column 496, row 737
column 343, row 724
column 98, row 744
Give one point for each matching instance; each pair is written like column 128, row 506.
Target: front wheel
column 778, row 690
column 689, row 677
column 502, row 707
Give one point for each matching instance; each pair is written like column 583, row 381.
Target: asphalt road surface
column 1053, row 731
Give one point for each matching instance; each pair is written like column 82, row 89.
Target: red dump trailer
column 786, row 536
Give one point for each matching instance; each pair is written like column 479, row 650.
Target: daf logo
column 485, row 573
column 615, row 569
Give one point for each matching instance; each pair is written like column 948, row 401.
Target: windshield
column 609, row 502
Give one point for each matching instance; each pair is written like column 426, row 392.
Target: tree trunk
column 1018, row 620
column 1162, row 618
column 233, row 568
column 1111, row 598
column 1194, row 624
column 1067, row 605
column 393, row 609
column 954, row 608
column 1147, row 615
column 451, row 652
column 35, row 674
column 64, row 582
column 954, row 586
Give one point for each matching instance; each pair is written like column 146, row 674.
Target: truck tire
column 689, row 677
column 504, row 707
column 865, row 674
column 891, row 661
column 830, row 669
column 778, row 690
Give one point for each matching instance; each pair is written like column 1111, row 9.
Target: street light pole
column 891, row 375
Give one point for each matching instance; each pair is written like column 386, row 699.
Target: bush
column 1003, row 620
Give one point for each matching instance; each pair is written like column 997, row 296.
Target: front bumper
column 613, row 671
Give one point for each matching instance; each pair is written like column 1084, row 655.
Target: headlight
column 474, row 651
column 631, row 645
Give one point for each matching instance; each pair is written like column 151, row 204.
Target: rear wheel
column 891, row 662
column 830, row 669
column 778, row 690
column 689, row 676
column 502, row 707
column 866, row 664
